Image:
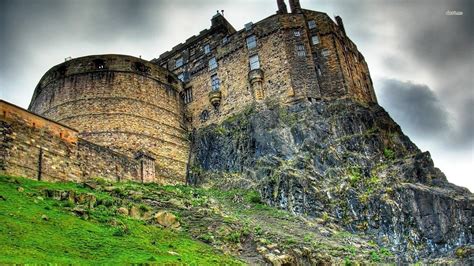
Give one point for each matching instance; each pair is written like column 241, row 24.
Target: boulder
column 134, row 212
column 122, row 210
column 166, row 219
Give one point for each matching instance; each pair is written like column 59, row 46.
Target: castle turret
column 295, row 6
column 281, row 7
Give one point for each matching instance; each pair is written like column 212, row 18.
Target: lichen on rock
column 343, row 161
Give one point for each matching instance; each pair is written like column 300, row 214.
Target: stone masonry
column 121, row 102
column 38, row 148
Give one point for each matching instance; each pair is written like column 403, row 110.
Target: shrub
column 144, row 208
column 389, row 153
column 233, row 237
column 121, row 231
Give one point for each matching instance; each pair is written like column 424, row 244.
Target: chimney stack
column 295, row 6
column 340, row 24
column 281, row 7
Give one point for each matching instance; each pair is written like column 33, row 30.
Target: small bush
column 121, row 231
column 355, row 175
column 144, row 208
column 68, row 204
column 256, row 199
column 233, row 237
column 389, row 153
column 374, row 256
column 207, row 237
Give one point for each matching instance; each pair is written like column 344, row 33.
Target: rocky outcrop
column 341, row 161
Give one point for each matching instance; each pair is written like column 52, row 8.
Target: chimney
column 340, row 24
column 295, row 6
column 281, row 7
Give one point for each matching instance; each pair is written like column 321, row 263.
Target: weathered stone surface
column 122, row 210
column 166, row 219
column 134, row 212
column 339, row 160
column 113, row 103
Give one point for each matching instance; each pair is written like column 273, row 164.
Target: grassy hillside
column 99, row 222
column 38, row 229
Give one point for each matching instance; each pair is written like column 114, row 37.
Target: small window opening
column 300, row 50
column 215, row 82
column 254, row 62
column 99, row 64
column 187, row 95
column 312, row 24
column 212, row 63
column 207, row 48
column 179, row 62
column 251, row 42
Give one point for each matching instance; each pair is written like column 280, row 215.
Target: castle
column 124, row 118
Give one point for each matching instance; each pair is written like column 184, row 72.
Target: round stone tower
column 125, row 103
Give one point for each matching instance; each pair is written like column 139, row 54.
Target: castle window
column 215, row 82
column 318, row 69
column 254, row 62
column 251, row 42
column 297, row 33
column 300, row 51
column 99, row 63
column 187, row 95
column 312, row 24
column 315, row 39
column 325, row 52
column 204, row 115
column 225, row 40
column 179, row 62
column 212, row 63
column 181, row 77
column 139, row 66
column 207, row 48
column 248, row 26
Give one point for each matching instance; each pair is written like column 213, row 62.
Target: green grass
column 25, row 237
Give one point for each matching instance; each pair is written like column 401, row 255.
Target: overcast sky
column 420, row 58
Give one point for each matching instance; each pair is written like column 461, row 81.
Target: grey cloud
column 421, row 114
column 414, row 105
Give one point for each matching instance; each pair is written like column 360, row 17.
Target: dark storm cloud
column 422, row 115
column 416, row 105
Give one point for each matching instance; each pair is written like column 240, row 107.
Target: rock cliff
column 344, row 162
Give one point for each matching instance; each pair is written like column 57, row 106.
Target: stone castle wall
column 145, row 110
column 343, row 70
column 303, row 56
column 38, row 148
column 236, row 88
column 120, row 102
